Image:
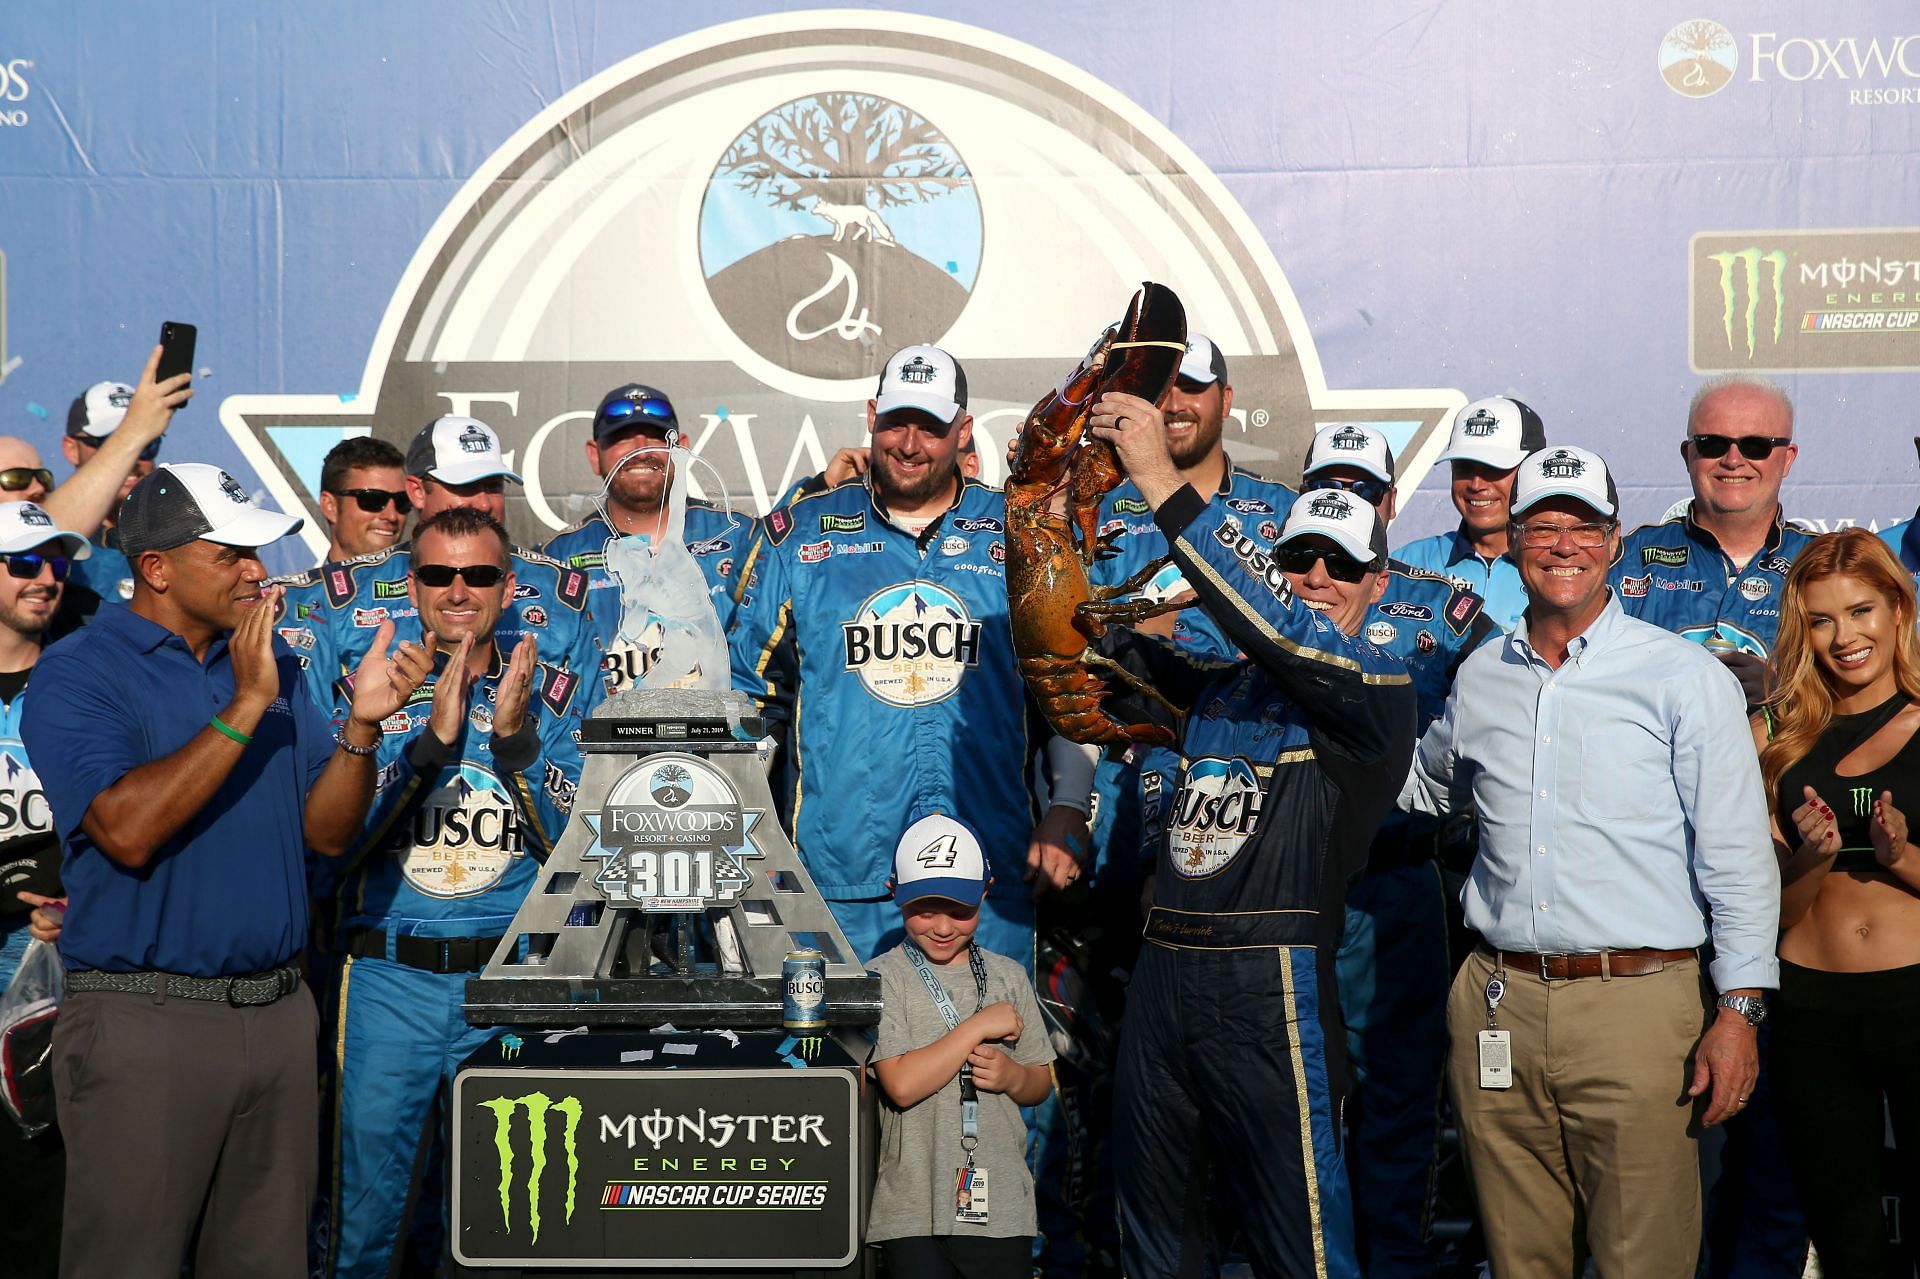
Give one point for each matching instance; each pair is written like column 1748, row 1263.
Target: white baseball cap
column 182, row 501
column 1350, row 444
column 23, row 526
column 1498, row 431
column 1565, row 471
column 1203, row 362
column 939, row 856
column 457, row 450
column 922, row 377
column 1343, row 519
column 96, row 411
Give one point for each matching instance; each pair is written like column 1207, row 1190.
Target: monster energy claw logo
column 1862, row 800
column 1750, row 261
column 537, row 1105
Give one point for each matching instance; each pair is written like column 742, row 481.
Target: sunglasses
column 26, row 564
column 16, row 478
column 147, row 454
column 1585, row 536
column 439, row 575
column 624, row 413
column 373, row 501
column 1299, row 559
column 1372, row 492
column 1754, row 448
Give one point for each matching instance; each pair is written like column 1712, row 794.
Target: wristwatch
column 1752, row 1007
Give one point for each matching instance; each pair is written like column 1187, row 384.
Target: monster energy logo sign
column 537, row 1105
column 1862, row 800
column 1750, row 261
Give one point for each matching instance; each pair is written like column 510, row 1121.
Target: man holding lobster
column 1231, row 1059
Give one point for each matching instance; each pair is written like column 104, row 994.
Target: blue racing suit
column 451, row 846
column 1393, row 963
column 1675, row 575
column 718, row 542
column 906, row 700
column 1231, row 1066
column 1496, row 581
column 30, row 851
column 107, row 573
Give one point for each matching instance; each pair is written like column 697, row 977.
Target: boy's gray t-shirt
column 920, row 1147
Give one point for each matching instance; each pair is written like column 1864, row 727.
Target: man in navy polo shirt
column 194, row 771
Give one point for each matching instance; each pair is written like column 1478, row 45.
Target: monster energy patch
column 855, row 523
column 1671, row 556
column 1786, row 300
column 389, row 590
column 1131, row 506
column 747, row 1168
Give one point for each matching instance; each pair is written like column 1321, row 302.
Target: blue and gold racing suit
column 1231, row 1066
column 718, row 542
column 452, row 844
column 906, row 700
column 1675, row 575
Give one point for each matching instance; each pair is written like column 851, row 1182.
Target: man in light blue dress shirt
column 1622, row 823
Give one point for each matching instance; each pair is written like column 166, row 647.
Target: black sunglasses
column 373, row 501
column 147, row 454
column 1299, row 559
column 1754, row 448
column 439, row 575
column 16, row 478
column 1372, row 492
column 27, row 564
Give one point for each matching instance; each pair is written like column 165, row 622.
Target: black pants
column 32, row 1180
column 958, row 1257
column 1846, row 1051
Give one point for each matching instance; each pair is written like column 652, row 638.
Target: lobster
column 1054, row 610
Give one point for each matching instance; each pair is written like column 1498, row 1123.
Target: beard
column 1195, row 447
column 25, row 621
column 895, row 490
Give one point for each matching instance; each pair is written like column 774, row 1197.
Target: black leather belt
column 250, row 990
column 429, row 954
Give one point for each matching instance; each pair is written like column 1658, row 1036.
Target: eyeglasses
column 1755, row 448
column 439, row 575
column 1372, row 492
column 373, row 501
column 1585, row 536
column 27, row 564
column 16, row 478
column 1299, row 559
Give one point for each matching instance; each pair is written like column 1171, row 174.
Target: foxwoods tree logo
column 537, row 1106
column 800, row 257
column 759, row 213
column 1698, row 58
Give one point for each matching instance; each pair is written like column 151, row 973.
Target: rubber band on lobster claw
column 1055, row 611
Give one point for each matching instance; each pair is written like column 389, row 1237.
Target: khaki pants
column 1597, row 1128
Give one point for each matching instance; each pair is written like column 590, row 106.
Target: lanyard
column 969, row 1097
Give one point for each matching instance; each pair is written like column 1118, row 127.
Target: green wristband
column 228, row 730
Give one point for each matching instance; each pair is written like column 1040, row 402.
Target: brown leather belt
column 1607, row 963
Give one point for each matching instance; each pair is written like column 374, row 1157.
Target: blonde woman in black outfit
column 1842, row 762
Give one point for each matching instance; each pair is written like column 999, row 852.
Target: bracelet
column 340, row 740
column 227, row 730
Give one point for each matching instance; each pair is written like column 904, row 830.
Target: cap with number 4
column 939, row 856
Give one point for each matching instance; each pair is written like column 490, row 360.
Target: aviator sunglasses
column 439, row 575
column 1299, row 559
column 1754, row 448
column 26, row 564
column 374, row 501
column 16, row 478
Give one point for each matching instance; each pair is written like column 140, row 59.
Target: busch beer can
column 803, row 981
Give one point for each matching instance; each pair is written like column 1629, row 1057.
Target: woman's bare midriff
column 1858, row 924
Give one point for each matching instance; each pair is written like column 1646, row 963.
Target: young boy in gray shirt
column 961, row 1048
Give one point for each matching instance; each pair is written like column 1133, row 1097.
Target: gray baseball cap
column 184, row 501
